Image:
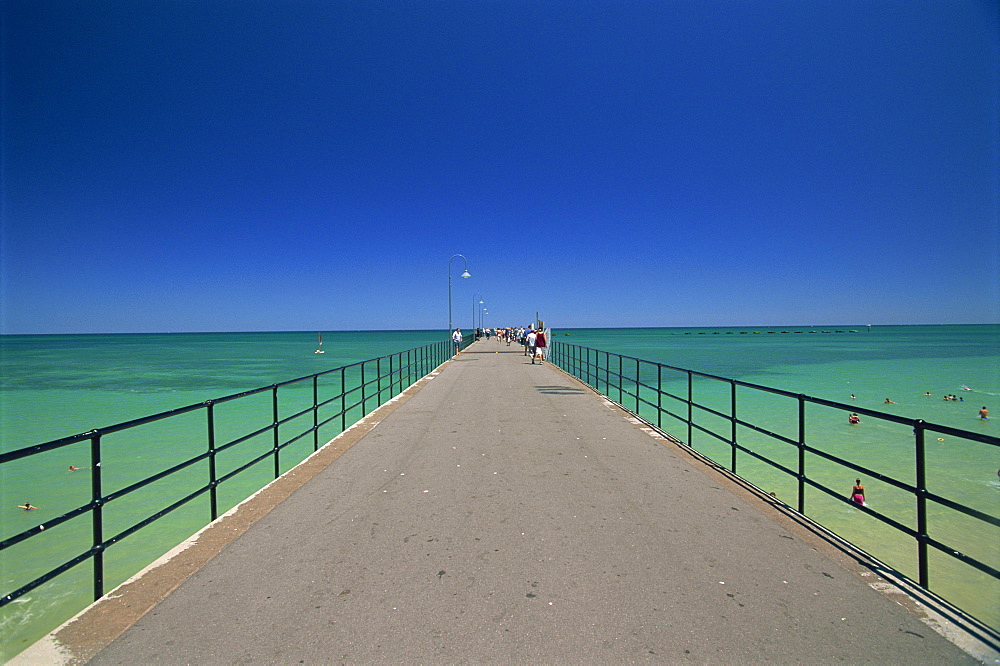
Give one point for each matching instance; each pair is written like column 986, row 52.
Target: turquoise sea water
column 59, row 385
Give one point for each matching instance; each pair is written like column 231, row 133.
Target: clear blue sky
column 191, row 165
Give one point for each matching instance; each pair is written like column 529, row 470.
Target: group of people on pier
column 532, row 338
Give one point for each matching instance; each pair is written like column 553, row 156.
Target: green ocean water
column 60, row 385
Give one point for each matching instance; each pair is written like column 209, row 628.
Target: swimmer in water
column 73, row 469
column 854, row 419
column 27, row 506
column 889, row 402
column 858, row 493
column 984, row 413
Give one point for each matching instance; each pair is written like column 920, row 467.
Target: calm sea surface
column 59, row 385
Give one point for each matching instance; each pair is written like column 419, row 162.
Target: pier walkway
column 502, row 512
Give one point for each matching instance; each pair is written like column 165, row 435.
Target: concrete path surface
column 506, row 514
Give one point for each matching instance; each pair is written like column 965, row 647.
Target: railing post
column 378, row 381
column 732, row 418
column 213, row 495
column 274, row 426
column 690, row 402
column 802, row 455
column 621, row 380
column 921, row 493
column 590, row 368
column 343, row 399
column 315, row 412
column 637, row 388
column 659, row 396
column 607, row 374
column 97, row 514
column 364, row 397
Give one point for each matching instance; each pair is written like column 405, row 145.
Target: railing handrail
column 585, row 363
column 142, row 420
column 401, row 369
column 903, row 420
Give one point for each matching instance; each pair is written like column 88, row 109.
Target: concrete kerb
column 975, row 638
column 81, row 637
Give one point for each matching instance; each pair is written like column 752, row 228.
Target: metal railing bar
column 80, row 437
column 580, row 365
column 710, row 410
column 243, row 438
column 909, row 531
column 44, row 578
column 765, row 431
column 955, row 506
column 49, row 524
column 332, row 418
column 986, row 439
column 864, row 471
column 34, row 449
column 967, row 559
column 773, row 463
column 156, row 516
column 961, row 508
column 835, row 459
column 291, row 417
column 705, row 430
column 110, row 497
column 247, row 465
column 666, row 411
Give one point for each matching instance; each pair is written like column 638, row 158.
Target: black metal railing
column 659, row 393
column 294, row 417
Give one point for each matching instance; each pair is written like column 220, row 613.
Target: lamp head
column 465, row 274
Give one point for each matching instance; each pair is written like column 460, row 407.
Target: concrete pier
column 501, row 512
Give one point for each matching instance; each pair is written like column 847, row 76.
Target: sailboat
column 320, row 349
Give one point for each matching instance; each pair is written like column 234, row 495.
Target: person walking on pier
column 456, row 337
column 529, row 341
column 540, row 345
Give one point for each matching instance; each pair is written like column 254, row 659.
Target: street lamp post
column 465, row 274
column 474, row 308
